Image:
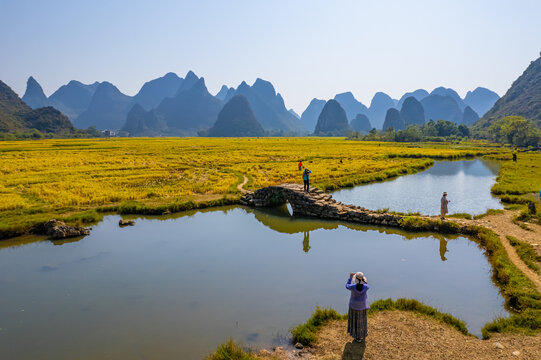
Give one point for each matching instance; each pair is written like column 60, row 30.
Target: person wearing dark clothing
column 515, row 155
column 306, row 179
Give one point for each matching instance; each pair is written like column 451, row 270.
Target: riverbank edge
column 306, row 334
column 521, row 296
column 93, row 215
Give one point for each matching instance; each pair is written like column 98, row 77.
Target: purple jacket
column 358, row 299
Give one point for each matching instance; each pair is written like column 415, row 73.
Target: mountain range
column 183, row 106
column 522, row 99
column 17, row 116
column 440, row 104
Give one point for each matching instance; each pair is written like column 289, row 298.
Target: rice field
column 63, row 177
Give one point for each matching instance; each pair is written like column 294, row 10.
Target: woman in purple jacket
column 358, row 304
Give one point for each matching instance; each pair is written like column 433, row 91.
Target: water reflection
column 306, row 242
column 280, row 220
column 443, row 247
column 468, row 183
column 184, row 283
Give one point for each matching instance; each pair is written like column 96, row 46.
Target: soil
column 407, row 335
column 241, row 186
column 502, row 224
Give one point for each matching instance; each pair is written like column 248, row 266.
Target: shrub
column 306, row 333
column 231, row 351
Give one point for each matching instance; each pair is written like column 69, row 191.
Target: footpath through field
column 502, row 224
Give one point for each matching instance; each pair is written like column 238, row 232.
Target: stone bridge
column 316, row 203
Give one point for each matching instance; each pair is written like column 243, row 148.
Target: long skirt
column 357, row 326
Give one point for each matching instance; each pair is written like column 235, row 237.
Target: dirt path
column 502, row 224
column 406, row 335
column 241, row 186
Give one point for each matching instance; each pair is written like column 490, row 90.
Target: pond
column 178, row 287
column 467, row 183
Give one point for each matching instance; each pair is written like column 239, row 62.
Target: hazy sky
column 306, row 48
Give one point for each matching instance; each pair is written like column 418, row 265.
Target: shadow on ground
column 354, row 350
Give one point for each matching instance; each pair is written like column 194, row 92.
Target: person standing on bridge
column 306, row 179
column 444, row 203
column 358, row 304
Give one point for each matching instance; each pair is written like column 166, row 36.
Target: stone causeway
column 316, row 203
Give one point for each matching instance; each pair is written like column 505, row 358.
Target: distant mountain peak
column 236, row 119
column 379, row 105
column 243, row 86
column 294, row 113
column 393, row 120
column 171, row 75
column 333, row 120
column 310, row 115
column 190, row 75
column 361, row 123
column 523, row 98
column 264, row 87
column 199, row 86
column 34, row 95
column 222, row 93
column 15, row 115
column 188, row 81
column 351, row 106
column 481, row 100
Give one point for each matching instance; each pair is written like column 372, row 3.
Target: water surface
column 177, row 288
column 467, row 183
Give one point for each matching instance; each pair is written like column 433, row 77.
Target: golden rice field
column 62, row 177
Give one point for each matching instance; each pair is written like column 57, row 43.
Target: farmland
column 70, row 179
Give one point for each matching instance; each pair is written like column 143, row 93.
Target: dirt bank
column 406, row 335
column 502, row 224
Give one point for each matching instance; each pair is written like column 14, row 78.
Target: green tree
column 412, row 134
column 464, row 130
column 446, row 128
column 515, row 130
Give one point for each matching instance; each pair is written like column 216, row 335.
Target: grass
column 231, row 350
column 136, row 207
column 487, row 213
column 306, row 333
column 519, row 178
column 521, row 296
column 460, row 216
column 519, row 183
column 70, row 178
column 526, row 252
column 419, row 308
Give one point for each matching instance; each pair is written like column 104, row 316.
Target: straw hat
column 360, row 278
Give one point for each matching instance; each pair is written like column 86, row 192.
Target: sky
column 306, row 48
